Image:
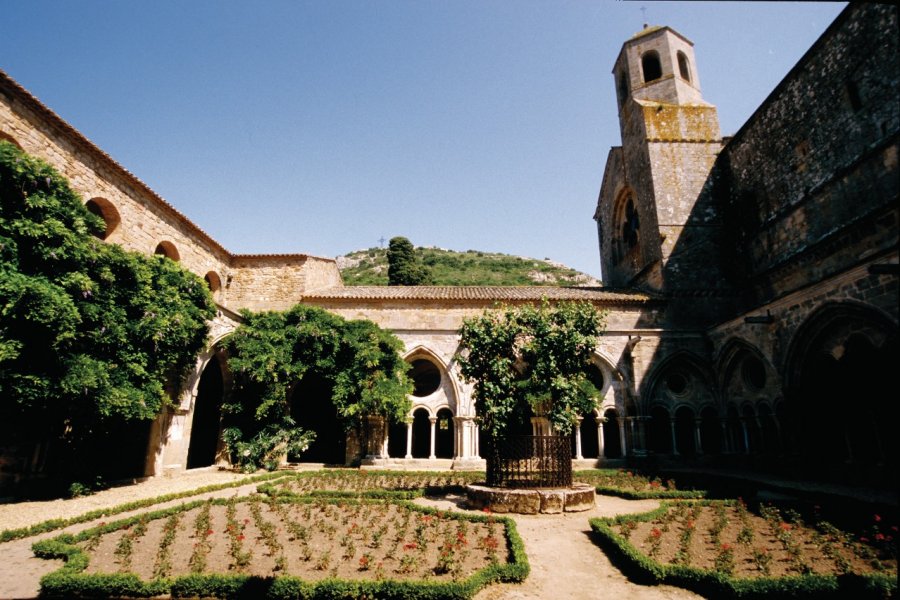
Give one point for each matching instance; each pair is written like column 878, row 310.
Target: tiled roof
column 479, row 293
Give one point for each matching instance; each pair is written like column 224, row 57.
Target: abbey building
column 750, row 282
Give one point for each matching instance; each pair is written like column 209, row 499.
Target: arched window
column 168, row 250
column 5, row 136
column 651, row 66
column 683, row 67
column 630, row 225
column 213, row 281
column 104, row 209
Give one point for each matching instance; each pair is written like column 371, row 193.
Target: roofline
column 18, row 92
column 644, row 33
column 776, row 91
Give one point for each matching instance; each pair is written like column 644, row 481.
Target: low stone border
column 578, row 498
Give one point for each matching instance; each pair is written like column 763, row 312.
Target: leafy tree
column 530, row 356
column 271, row 351
column 404, row 267
column 91, row 336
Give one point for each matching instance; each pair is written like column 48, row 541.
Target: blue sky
column 321, row 127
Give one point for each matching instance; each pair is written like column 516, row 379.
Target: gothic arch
column 842, row 356
column 686, row 361
column 448, row 387
column 872, row 322
column 626, row 234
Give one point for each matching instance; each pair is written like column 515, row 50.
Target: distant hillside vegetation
column 369, row 267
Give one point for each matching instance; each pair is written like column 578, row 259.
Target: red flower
column 785, row 526
column 726, row 547
column 864, row 539
column 240, row 537
column 656, row 533
column 410, row 546
column 486, row 510
column 209, row 532
column 879, row 537
column 877, row 518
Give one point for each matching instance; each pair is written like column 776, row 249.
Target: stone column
column 698, row 442
column 600, row 441
column 746, row 435
column 642, row 432
column 433, row 421
column 578, row 438
column 409, row 438
column 621, row 423
column 726, row 439
column 674, row 440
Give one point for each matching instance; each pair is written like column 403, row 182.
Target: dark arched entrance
column 612, row 445
column 660, row 434
column 397, row 440
column 206, row 425
column 421, row 442
column 710, row 431
column 684, row 431
column 443, row 447
column 313, row 410
column 590, row 444
column 840, row 408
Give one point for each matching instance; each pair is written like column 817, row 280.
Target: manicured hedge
column 651, row 495
column 70, row 581
column 53, row 524
column 641, row 568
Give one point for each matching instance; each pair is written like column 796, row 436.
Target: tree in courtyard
column 530, row 357
column 404, row 267
column 92, row 337
column 271, row 351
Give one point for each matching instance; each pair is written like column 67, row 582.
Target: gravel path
column 20, row 571
column 564, row 561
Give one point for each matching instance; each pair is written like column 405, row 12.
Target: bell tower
column 647, row 217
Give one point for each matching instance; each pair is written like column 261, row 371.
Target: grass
column 472, row 267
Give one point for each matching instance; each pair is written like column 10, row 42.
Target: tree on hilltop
column 404, row 267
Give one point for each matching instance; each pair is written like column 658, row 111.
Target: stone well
column 579, row 497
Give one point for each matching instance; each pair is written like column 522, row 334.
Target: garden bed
column 371, row 484
column 240, row 546
column 633, row 485
column 723, row 548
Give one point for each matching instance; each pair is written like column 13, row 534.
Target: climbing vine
column 272, row 351
column 91, row 336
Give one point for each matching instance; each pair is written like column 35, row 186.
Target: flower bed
column 722, row 548
column 632, row 485
column 371, row 484
column 307, row 546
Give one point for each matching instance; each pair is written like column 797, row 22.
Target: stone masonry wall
column 812, row 177
column 145, row 220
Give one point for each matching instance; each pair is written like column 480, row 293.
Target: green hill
column 448, row 267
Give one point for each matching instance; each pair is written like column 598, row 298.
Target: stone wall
column 810, row 181
column 140, row 220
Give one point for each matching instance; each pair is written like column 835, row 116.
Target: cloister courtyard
column 313, row 532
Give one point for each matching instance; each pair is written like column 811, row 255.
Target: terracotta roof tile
column 479, row 293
